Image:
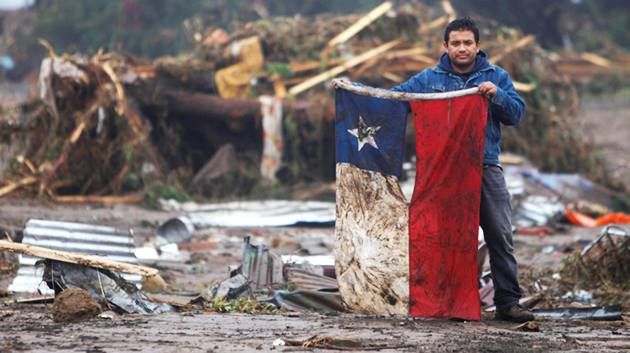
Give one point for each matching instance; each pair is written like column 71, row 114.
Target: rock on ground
column 75, row 304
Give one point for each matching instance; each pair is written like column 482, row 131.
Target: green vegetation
column 280, row 69
column 160, row 190
column 243, row 305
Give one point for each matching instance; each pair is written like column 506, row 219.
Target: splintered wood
column 362, row 23
column 329, row 74
column 518, row 45
column 86, row 260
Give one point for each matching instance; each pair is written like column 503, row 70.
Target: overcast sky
column 14, row 4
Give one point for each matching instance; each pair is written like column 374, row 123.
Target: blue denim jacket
column 506, row 106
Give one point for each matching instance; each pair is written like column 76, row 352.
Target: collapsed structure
column 114, row 128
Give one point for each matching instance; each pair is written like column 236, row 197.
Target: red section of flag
column 444, row 210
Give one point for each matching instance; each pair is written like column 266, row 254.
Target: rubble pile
column 109, row 128
column 602, row 267
column 85, row 138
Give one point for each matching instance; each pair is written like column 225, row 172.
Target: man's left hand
column 487, row 89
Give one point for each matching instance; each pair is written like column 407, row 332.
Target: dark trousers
column 495, row 218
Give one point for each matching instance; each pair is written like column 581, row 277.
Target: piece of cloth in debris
column 234, row 81
column 417, row 259
column 271, row 109
column 583, row 220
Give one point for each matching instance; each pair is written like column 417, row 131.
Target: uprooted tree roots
column 85, row 138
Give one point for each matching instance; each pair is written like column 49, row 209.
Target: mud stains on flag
column 395, row 257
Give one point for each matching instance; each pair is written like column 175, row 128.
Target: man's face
column 462, row 49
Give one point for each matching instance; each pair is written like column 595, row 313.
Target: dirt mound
column 73, row 305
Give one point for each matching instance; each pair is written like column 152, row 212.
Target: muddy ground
column 29, row 327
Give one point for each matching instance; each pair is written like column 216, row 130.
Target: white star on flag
column 365, row 134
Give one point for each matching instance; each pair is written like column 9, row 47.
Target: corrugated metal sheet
column 268, row 213
column 306, row 280
column 306, row 300
column 261, row 267
column 114, row 244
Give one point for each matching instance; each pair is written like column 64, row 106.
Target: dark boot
column 515, row 313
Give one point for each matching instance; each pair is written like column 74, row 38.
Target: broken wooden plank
column 326, row 75
column 511, row 48
column 127, row 199
column 424, row 59
column 579, row 70
column 77, row 132
column 42, row 299
column 524, row 87
column 622, row 59
column 360, row 24
column 120, row 91
column 84, row 260
column 9, row 188
column 279, row 87
column 392, row 77
column 448, row 8
column 596, row 60
column 297, row 67
column 26, row 163
column 437, row 23
column 359, row 71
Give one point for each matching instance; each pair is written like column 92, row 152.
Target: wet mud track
column 31, row 328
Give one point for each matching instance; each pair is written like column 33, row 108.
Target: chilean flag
column 395, row 256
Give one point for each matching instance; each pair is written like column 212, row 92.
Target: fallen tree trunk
column 213, row 107
column 196, row 125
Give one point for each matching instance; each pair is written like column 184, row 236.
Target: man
column 464, row 65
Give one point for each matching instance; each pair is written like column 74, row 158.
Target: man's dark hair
column 462, row 24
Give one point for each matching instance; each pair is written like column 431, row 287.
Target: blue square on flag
column 370, row 132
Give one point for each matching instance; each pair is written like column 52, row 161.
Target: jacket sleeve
column 415, row 84
column 507, row 106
